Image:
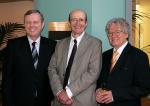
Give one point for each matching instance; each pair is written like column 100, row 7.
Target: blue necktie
column 70, row 63
column 34, row 55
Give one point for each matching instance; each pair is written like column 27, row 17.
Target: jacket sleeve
column 7, row 79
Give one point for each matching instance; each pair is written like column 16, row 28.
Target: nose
column 31, row 24
column 77, row 21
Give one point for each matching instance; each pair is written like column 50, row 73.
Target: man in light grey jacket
column 86, row 66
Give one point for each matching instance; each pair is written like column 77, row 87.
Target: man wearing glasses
column 125, row 74
column 78, row 89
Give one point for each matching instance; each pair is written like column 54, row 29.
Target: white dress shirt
column 37, row 44
column 120, row 50
column 69, row 93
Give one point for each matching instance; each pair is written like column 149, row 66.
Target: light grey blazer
column 84, row 72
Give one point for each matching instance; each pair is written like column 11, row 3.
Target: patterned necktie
column 70, row 63
column 34, row 55
column 114, row 59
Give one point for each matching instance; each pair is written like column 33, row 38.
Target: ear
column 43, row 24
column 86, row 23
column 126, row 36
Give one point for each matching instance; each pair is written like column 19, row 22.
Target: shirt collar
column 37, row 40
column 78, row 38
column 121, row 48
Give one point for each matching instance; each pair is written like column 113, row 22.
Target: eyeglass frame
column 114, row 33
column 80, row 20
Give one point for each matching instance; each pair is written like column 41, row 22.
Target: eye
column 77, row 20
column 114, row 33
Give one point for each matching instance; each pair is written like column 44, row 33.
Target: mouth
column 78, row 28
column 32, row 30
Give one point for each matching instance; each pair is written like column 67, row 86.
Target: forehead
column 114, row 26
column 77, row 14
column 33, row 16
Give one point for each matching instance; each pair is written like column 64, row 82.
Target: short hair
column 125, row 27
column 75, row 11
column 29, row 12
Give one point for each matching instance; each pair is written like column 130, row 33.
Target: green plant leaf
column 7, row 29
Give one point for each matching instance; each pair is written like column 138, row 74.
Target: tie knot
column 115, row 53
column 33, row 44
column 75, row 41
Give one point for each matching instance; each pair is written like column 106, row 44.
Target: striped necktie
column 34, row 55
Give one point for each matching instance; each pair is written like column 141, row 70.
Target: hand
column 63, row 98
column 104, row 96
column 98, row 94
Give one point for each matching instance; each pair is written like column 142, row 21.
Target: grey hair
column 124, row 25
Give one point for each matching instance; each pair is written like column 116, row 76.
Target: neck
column 34, row 38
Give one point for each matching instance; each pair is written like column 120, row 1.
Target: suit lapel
column 26, row 51
column 109, row 58
column 107, row 64
column 42, row 53
column 65, row 52
column 81, row 47
column 26, row 48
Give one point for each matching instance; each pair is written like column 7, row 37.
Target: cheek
column 115, row 41
column 84, row 25
column 82, row 28
column 110, row 39
column 26, row 26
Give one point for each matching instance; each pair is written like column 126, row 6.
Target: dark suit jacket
column 20, row 77
column 129, row 79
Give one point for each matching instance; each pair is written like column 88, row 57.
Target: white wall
column 14, row 11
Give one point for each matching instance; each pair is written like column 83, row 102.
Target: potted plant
column 138, row 15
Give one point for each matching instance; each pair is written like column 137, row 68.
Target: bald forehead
column 78, row 12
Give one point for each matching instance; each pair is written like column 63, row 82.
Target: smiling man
column 75, row 65
column 25, row 78
column 125, row 74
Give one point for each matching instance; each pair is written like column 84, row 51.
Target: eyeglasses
column 114, row 33
column 77, row 20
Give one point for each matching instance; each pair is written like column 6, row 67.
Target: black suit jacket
column 129, row 79
column 20, row 77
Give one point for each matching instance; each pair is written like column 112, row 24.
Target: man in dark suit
column 124, row 83
column 80, row 87
column 25, row 76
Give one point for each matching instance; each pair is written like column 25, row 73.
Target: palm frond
column 138, row 15
column 7, row 30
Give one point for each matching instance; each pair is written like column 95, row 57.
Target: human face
column 33, row 25
column 78, row 23
column 116, row 36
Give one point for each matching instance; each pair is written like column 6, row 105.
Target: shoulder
column 17, row 40
column 48, row 41
column 93, row 39
column 135, row 55
column 138, row 56
column 16, row 43
column 63, row 41
column 137, row 52
column 108, row 52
